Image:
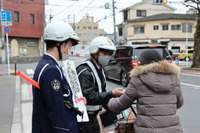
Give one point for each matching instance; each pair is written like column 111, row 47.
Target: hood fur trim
column 158, row 67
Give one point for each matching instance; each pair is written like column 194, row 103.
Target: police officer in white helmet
column 50, row 114
column 93, row 82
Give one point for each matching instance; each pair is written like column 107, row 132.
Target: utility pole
column 74, row 22
column 50, row 16
column 46, row 2
column 3, row 57
column 114, row 23
column 187, row 58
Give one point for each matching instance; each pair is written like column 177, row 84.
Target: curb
column 16, row 124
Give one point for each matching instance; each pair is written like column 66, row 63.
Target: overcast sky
column 60, row 9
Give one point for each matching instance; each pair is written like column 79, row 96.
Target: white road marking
column 30, row 71
column 26, row 108
column 196, row 87
column 190, row 74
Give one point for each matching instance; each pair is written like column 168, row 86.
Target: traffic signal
column 165, row 1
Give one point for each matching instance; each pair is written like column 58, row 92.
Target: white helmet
column 101, row 43
column 60, row 31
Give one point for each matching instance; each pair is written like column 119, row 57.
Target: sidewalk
column 10, row 112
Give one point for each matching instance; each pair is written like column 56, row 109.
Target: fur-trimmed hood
column 159, row 76
column 158, row 67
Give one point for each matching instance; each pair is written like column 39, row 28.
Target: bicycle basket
column 126, row 125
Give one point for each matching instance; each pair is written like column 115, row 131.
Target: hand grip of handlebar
column 30, row 80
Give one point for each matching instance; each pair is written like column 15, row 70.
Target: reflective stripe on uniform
column 96, row 75
column 65, row 129
column 60, row 72
column 42, row 72
column 93, row 107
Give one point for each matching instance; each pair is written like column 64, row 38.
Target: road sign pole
column 8, row 54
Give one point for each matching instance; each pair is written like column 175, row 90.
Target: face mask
column 64, row 56
column 103, row 60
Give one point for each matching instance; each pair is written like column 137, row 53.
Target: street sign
column 6, row 29
column 6, row 18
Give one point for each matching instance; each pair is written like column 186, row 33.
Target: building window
column 175, row 49
column 90, row 27
column 125, row 15
column 120, row 31
column 84, row 35
column 16, row 16
column 94, row 35
column 89, row 35
column 95, row 28
column 189, row 29
column 84, row 42
column 141, row 13
column 79, row 27
column 31, row 18
column 176, row 27
column 190, row 47
column 139, row 30
column 84, row 27
column 79, row 35
column 157, row 2
column 155, row 27
column 165, row 27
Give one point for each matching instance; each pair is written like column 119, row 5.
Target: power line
column 65, row 8
column 85, row 7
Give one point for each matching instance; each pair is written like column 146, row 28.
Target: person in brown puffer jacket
column 156, row 87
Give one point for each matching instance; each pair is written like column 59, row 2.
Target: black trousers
column 89, row 127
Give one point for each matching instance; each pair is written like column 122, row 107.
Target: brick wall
column 24, row 28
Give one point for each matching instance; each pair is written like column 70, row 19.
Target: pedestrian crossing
column 30, row 72
column 4, row 71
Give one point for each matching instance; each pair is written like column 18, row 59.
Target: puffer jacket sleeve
column 180, row 100
column 126, row 99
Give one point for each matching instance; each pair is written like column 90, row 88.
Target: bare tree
column 196, row 5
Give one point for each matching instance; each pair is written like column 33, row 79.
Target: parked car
column 126, row 58
column 186, row 53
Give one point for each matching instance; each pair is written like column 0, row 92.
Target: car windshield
column 162, row 51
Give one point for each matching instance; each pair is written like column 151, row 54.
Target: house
column 27, row 28
column 151, row 23
column 141, row 10
column 171, row 30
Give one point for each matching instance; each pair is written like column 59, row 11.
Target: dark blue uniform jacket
column 49, row 112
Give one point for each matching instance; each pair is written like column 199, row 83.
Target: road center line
column 197, row 87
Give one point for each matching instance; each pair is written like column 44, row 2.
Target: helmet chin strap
column 59, row 52
column 96, row 59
